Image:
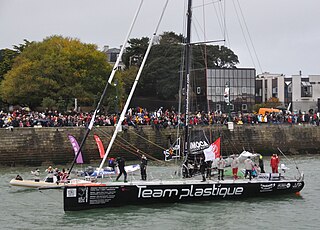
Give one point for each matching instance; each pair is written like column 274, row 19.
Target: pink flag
column 76, row 148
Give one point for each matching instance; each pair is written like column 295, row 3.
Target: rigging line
column 122, row 116
column 229, row 140
column 219, row 15
column 245, row 39
column 130, row 147
column 115, row 68
column 147, row 140
column 254, row 50
column 205, row 4
column 289, row 160
column 118, row 143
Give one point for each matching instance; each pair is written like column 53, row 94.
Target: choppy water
column 33, row 209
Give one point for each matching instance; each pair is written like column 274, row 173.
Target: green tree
column 171, row 38
column 135, row 52
column 58, row 68
column 7, row 57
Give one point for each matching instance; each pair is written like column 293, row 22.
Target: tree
column 58, row 68
column 135, row 52
column 7, row 57
column 171, row 38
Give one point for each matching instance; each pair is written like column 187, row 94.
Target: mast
column 187, row 82
column 115, row 68
column 125, row 108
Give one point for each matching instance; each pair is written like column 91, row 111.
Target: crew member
column 111, row 163
column 121, row 165
column 221, row 163
column 274, row 162
column 209, row 168
column 261, row 164
column 143, row 167
column 248, row 165
column 235, row 166
column 203, row 166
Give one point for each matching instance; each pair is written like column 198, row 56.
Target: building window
column 218, row 107
column 306, row 89
column 198, row 90
column 274, row 90
column 289, row 89
column 243, row 90
column 244, row 107
column 231, row 107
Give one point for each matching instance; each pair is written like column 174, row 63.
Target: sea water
column 43, row 209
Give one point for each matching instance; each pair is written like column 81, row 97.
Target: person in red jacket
column 274, row 162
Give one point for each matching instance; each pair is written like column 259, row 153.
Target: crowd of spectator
column 140, row 116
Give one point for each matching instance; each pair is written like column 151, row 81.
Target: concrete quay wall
column 43, row 146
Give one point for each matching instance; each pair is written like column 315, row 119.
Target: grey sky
column 285, row 33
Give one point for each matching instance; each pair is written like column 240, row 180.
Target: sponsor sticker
column 266, row 187
column 283, row 186
column 71, row 192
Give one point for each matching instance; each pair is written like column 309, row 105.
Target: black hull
column 140, row 193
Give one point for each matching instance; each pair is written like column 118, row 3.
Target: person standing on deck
column 261, row 165
column 209, row 169
column 221, row 163
column 203, row 166
column 121, row 165
column 235, row 166
column 274, row 162
column 143, row 167
column 248, row 165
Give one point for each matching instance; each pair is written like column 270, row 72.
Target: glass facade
column 242, row 89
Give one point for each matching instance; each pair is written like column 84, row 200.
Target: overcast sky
column 285, row 33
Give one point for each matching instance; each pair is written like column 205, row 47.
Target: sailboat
column 114, row 194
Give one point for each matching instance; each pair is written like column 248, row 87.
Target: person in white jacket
column 221, row 163
column 248, row 165
column 235, row 166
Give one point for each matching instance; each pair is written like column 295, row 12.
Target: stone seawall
column 36, row 146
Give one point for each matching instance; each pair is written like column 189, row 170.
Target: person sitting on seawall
column 36, row 174
column 143, row 167
column 274, row 162
column 50, row 175
column 121, row 165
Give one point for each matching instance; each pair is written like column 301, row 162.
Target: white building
column 303, row 92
